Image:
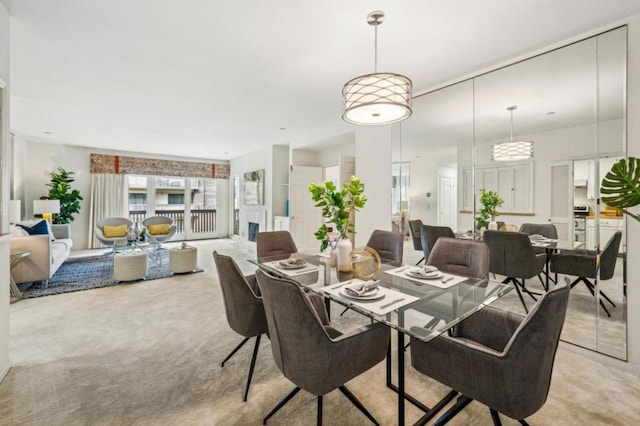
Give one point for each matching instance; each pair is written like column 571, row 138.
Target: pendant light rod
column 511, row 109
column 375, row 18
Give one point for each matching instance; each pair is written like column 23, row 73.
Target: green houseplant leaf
column 60, row 189
column 621, row 186
column 338, row 207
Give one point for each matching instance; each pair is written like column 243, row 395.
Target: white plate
column 370, row 295
column 430, row 276
column 285, row 265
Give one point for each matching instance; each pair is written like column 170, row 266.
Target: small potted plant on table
column 338, row 209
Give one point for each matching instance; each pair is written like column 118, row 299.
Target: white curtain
column 109, row 198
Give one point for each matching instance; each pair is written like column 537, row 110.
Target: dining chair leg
column 281, row 404
column 233, row 352
column 253, row 364
column 515, row 284
column 355, row 401
column 343, row 312
column 495, row 417
column 319, row 421
column 420, row 261
column 591, row 289
column 523, row 422
column 462, row 402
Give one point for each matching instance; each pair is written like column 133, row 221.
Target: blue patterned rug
column 85, row 273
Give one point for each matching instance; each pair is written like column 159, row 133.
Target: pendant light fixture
column 512, row 150
column 378, row 98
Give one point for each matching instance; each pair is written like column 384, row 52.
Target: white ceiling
column 217, row 80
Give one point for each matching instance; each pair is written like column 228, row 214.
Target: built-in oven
column 580, row 223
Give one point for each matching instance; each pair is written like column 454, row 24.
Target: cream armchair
column 108, row 239
column 159, row 228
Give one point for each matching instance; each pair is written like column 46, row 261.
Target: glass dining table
column 414, row 306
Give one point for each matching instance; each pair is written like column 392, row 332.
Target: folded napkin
column 292, row 261
column 361, row 288
column 423, row 272
column 535, row 237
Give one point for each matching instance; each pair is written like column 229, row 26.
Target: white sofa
column 46, row 255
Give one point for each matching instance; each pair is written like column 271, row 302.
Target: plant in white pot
column 338, row 208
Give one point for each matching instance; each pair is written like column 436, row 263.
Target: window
column 137, row 201
column 176, row 199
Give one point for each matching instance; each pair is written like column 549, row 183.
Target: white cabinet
column 281, row 223
column 514, row 184
column 608, row 227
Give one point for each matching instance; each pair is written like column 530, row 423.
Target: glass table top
column 434, row 310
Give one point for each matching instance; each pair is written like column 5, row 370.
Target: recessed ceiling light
column 226, row 153
column 283, row 128
column 48, row 133
column 551, row 113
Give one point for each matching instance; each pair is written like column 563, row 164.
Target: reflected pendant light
column 512, row 150
column 378, row 98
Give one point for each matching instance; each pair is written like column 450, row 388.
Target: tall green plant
column 490, row 202
column 338, row 207
column 60, row 189
column 622, row 186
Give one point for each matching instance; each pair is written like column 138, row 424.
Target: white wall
column 4, row 195
column 260, row 160
column 424, row 178
column 373, row 167
column 30, row 182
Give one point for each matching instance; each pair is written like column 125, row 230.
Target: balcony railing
column 201, row 220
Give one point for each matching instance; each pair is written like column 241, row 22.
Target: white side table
column 130, row 266
column 183, row 260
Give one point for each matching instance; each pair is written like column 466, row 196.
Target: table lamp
column 15, row 212
column 46, row 208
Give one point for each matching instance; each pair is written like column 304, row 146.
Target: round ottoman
column 183, row 259
column 130, row 266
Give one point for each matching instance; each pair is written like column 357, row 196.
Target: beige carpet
column 149, row 353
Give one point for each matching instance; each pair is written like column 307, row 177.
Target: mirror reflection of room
column 577, row 130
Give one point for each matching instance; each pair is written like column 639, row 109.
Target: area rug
column 85, row 273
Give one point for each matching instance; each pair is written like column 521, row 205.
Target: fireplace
column 254, row 228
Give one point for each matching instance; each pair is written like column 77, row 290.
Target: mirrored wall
column 571, row 103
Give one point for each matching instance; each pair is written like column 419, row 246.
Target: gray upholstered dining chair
column 275, row 243
column 498, row 358
column 388, row 244
column 430, row 234
column 582, row 264
column 466, row 258
column 415, row 228
column 511, row 255
column 314, row 355
column 547, row 230
column 243, row 307
column 461, row 257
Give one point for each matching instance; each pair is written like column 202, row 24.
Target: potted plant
column 338, row 209
column 60, row 189
column 621, row 186
column 490, row 202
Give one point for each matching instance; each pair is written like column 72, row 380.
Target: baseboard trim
column 4, row 372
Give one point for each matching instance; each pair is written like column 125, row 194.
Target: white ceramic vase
column 493, row 225
column 344, row 255
column 333, row 257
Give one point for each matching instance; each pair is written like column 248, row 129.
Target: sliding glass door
column 190, row 202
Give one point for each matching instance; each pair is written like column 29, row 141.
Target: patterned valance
column 119, row 164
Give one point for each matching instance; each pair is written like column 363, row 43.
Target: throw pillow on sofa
column 115, row 231
column 159, row 229
column 40, row 228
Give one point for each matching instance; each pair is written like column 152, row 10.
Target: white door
column 561, row 198
column 446, row 200
column 347, row 166
column 305, row 217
